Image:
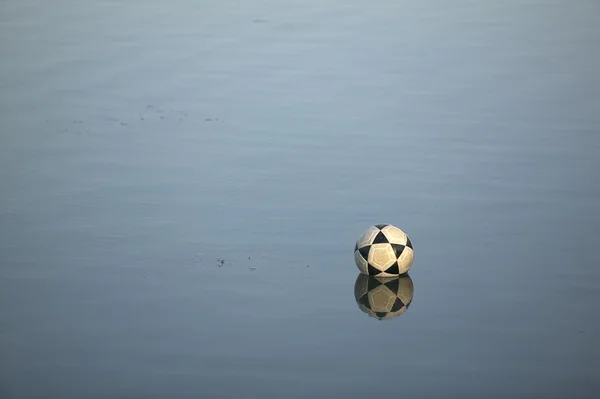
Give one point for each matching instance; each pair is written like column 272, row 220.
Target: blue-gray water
column 142, row 142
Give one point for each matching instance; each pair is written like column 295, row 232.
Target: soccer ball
column 383, row 250
column 383, row 297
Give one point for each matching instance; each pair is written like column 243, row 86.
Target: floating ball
column 383, row 250
column 383, row 297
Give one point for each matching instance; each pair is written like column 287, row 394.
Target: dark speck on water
column 283, row 129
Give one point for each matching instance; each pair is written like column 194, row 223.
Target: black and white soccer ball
column 383, row 250
column 383, row 297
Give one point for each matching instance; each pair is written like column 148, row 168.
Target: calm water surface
column 181, row 185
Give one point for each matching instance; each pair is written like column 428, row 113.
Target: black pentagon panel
column 380, row 226
column 408, row 243
column 364, row 251
column 398, row 248
column 364, row 300
column 393, row 285
column 381, row 315
column 393, row 269
column 373, row 271
column 373, row 283
column 380, row 238
column 397, row 305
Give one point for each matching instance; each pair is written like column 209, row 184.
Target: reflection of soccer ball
column 383, row 297
column 383, row 250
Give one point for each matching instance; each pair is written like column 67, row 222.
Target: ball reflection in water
column 383, row 297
